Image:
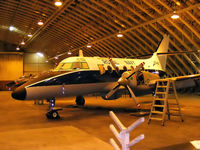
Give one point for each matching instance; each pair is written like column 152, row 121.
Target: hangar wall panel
column 33, row 64
column 11, row 66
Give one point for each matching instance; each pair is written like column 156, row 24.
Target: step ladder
column 165, row 101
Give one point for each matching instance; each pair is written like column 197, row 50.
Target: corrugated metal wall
column 11, row 66
column 33, row 64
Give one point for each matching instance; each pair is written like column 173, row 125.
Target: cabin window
column 110, row 69
column 85, row 65
column 101, row 69
column 76, row 65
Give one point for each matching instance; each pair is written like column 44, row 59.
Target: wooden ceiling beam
column 49, row 20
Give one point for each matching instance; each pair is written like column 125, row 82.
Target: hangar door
column 11, row 66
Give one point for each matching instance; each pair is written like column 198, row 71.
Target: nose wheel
column 53, row 112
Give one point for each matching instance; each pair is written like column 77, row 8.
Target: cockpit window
column 59, row 66
column 64, row 66
column 76, row 65
column 72, row 65
column 67, row 66
column 85, row 65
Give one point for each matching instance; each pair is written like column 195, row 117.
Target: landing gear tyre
column 80, row 101
column 52, row 115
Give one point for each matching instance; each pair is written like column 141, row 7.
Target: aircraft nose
column 19, row 94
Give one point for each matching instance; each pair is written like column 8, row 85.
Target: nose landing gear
column 53, row 111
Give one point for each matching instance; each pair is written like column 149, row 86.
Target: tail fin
column 164, row 45
column 162, row 48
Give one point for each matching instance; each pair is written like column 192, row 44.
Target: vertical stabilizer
column 164, row 45
column 161, row 59
column 163, row 48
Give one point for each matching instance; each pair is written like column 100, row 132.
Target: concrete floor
column 23, row 125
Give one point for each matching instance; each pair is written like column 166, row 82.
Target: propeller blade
column 136, row 69
column 133, row 96
column 128, row 91
column 109, row 94
column 114, row 65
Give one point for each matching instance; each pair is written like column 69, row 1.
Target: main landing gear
column 80, row 101
column 53, row 112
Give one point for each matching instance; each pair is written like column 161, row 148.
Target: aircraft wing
column 182, row 82
column 187, row 81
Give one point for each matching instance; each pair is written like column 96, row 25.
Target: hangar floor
column 23, row 125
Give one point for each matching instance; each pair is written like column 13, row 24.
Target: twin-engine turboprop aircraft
column 78, row 76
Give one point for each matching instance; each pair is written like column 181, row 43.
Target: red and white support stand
column 124, row 136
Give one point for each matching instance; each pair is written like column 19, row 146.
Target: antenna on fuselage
column 80, row 53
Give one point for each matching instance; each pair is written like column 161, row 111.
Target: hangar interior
column 104, row 28
column 76, row 24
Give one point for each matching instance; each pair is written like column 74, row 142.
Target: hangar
column 37, row 35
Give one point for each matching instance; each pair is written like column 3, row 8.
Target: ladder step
column 158, row 106
column 174, row 109
column 160, row 99
column 157, row 112
column 152, row 118
column 165, row 92
column 161, row 93
column 161, row 86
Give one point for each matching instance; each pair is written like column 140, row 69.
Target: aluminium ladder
column 165, row 101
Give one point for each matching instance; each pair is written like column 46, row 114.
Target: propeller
column 124, row 81
column 114, row 65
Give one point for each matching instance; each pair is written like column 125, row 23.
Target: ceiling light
column 17, row 48
column 178, row 3
column 29, row 35
column 40, row 23
column 89, row 46
column 122, row 25
column 175, row 15
column 47, row 61
column 58, row 3
column 22, row 43
column 69, row 52
column 40, row 54
column 11, row 28
column 56, row 57
column 119, row 35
